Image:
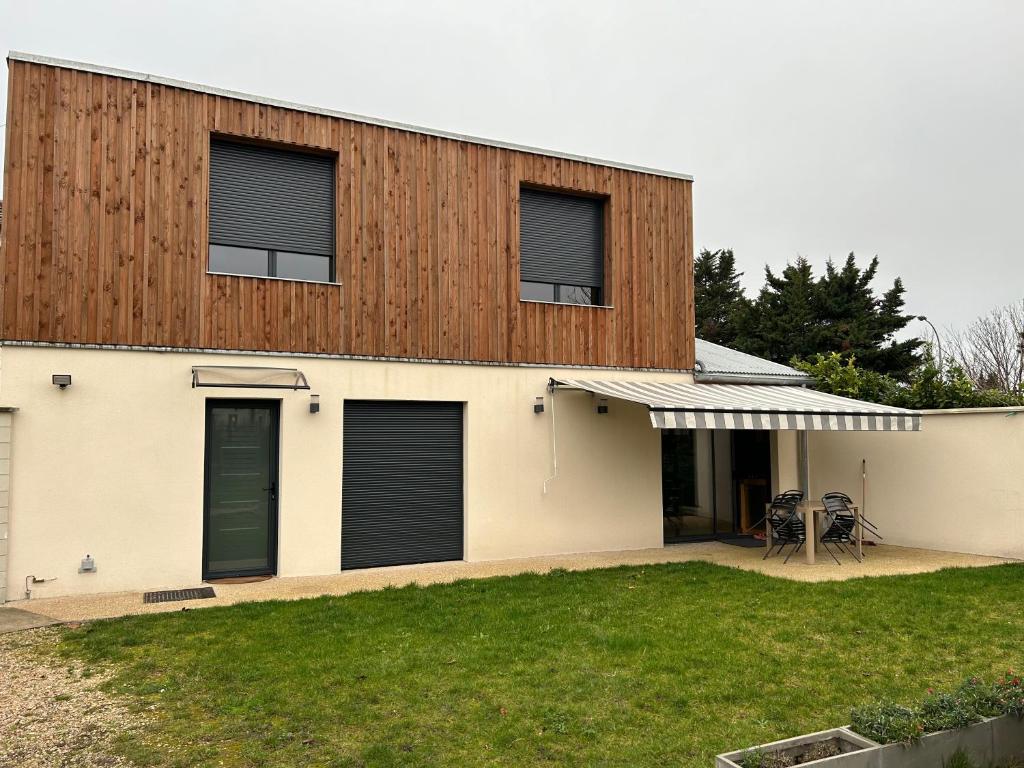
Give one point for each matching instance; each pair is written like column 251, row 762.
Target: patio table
column 810, row 512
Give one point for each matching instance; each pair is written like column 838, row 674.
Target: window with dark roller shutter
column 561, row 247
column 271, row 212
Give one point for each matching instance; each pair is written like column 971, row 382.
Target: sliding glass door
column 696, row 484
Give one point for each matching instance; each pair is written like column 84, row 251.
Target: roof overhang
column 674, row 405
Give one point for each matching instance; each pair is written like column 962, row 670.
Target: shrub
column 927, row 387
column 1009, row 692
column 970, row 702
column 887, row 722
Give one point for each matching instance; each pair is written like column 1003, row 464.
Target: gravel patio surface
column 882, row 560
column 52, row 714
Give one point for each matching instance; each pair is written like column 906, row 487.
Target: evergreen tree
column 856, row 322
column 718, row 296
column 783, row 320
column 796, row 316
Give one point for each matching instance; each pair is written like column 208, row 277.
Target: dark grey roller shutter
column 561, row 238
column 271, row 199
column 401, row 483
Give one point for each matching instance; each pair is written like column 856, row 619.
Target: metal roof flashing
column 723, row 365
column 185, row 85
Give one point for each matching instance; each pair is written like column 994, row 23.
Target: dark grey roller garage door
column 401, row 493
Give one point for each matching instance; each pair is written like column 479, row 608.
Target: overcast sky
column 811, row 128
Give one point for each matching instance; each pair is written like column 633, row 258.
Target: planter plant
column 979, row 720
column 977, row 723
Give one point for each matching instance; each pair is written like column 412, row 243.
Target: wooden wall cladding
column 105, row 237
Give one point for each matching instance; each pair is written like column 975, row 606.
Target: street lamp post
column 938, row 341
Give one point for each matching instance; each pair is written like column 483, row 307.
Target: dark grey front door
column 240, row 531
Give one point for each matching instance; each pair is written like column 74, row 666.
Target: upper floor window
column 271, row 212
column 561, row 247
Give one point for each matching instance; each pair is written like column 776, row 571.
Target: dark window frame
column 602, row 291
column 271, row 254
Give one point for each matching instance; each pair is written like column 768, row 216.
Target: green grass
column 652, row 666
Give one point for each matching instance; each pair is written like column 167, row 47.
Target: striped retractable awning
column 750, row 406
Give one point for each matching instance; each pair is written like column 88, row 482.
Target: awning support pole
column 805, row 463
column 805, row 485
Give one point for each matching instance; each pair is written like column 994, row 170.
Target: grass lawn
column 634, row 666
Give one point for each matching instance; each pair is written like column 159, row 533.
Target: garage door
column 401, row 492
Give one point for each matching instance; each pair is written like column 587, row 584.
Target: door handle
column 273, row 491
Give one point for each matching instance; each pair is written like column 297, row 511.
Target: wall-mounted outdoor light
column 602, row 405
column 538, row 405
column 314, row 403
column 62, row 380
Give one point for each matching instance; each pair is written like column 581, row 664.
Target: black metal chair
column 840, row 525
column 796, row 496
column 840, row 504
column 785, row 524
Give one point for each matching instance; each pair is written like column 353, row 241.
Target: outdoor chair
column 786, row 525
column 795, row 496
column 839, row 504
column 839, row 531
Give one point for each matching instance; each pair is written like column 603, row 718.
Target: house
column 245, row 337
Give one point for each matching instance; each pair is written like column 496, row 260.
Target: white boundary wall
column 955, row 486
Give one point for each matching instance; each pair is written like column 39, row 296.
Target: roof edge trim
column 99, row 69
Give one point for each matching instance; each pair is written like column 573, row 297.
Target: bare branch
column 991, row 349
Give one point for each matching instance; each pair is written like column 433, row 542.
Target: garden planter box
column 856, row 750
column 993, row 741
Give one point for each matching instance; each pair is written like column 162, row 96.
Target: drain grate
column 174, row 595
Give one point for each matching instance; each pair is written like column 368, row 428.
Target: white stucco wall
column 956, row 486
column 113, row 465
column 5, row 496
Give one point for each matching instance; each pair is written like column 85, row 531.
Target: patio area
column 881, row 560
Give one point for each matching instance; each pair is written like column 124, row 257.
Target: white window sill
column 566, row 304
column 271, row 277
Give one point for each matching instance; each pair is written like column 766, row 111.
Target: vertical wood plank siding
column 106, row 227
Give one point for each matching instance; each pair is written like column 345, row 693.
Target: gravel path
column 51, row 713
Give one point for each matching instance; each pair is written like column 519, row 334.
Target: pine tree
column 782, row 322
column 718, row 296
column 798, row 316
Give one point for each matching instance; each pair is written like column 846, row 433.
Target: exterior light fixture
column 602, row 405
column 62, row 380
column 538, row 405
column 314, row 403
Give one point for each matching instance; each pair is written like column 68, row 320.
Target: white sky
column 811, row 128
